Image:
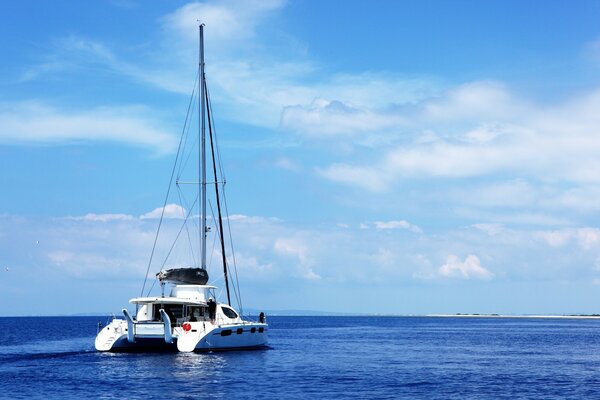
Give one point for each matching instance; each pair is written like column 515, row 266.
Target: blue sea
column 316, row 357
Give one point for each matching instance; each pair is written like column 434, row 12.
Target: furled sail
column 184, row 276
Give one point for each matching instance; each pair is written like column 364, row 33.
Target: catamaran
column 190, row 318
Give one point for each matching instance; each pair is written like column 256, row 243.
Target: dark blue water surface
column 316, row 357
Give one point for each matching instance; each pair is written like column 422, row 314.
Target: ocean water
column 316, row 357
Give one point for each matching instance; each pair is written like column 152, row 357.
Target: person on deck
column 212, row 309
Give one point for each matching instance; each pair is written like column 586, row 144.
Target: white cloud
column 586, row 238
column 472, row 101
column 556, row 238
column 225, row 21
column 592, row 51
column 490, row 229
column 401, row 224
column 368, row 178
column 295, row 247
column 584, row 199
column 37, row 123
column 288, row 164
column 173, row 211
column 334, row 118
column 516, row 193
column 525, row 151
column 283, row 255
column 292, row 247
column 87, row 265
column 249, row 82
column 252, row 264
column 480, row 128
column 103, row 217
column 469, row 269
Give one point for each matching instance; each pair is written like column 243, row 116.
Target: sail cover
column 185, row 276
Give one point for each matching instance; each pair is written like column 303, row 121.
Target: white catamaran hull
column 202, row 336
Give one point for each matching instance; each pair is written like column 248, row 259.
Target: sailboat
column 190, row 318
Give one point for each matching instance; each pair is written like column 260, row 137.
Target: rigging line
column 219, row 235
column 173, row 245
column 212, row 149
column 185, row 162
column 187, row 229
column 214, row 236
column 178, row 234
column 236, row 287
column 162, row 214
column 187, row 132
column 221, row 169
column 151, row 287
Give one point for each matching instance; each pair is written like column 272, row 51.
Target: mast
column 202, row 166
column 204, row 105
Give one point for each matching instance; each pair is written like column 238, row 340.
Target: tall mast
column 205, row 105
column 202, row 167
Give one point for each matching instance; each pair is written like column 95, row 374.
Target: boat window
column 174, row 311
column 195, row 313
column 229, row 313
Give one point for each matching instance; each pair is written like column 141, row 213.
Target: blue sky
column 394, row 157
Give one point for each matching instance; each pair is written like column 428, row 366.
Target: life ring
column 186, row 326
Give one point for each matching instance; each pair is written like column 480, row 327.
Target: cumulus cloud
column 281, row 254
column 335, row 118
column 481, row 147
column 296, row 248
column 586, row 238
column 173, row 211
column 481, row 128
column 470, row 268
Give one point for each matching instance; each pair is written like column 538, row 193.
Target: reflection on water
column 205, row 366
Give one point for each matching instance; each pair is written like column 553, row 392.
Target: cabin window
column 174, row 311
column 240, row 331
column 195, row 313
column 229, row 313
column 226, row 332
